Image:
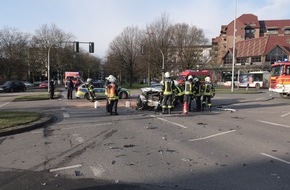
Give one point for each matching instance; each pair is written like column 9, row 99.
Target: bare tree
column 12, row 46
column 159, row 38
column 124, row 50
column 53, row 39
column 187, row 41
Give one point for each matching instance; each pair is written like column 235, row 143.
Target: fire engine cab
column 280, row 79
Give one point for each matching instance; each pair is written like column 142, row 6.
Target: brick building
column 259, row 43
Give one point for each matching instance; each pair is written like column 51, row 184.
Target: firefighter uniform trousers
column 207, row 94
column 188, row 94
column 167, row 96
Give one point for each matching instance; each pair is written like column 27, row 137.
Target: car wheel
column 123, row 95
column 284, row 95
column 258, row 86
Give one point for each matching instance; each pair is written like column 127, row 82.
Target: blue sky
column 100, row 21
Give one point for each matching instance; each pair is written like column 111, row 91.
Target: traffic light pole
column 91, row 50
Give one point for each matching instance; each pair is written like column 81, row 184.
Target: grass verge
column 13, row 118
column 34, row 97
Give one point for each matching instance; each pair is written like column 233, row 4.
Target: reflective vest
column 188, row 88
column 198, row 89
column 168, row 84
column 179, row 91
column 90, row 87
column 111, row 92
column 208, row 89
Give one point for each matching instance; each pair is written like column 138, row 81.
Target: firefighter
column 112, row 96
column 167, row 91
column 197, row 90
column 208, row 93
column 107, row 82
column 178, row 93
column 90, row 88
column 51, row 90
column 188, row 93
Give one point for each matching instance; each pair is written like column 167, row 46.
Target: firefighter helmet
column 207, row 79
column 167, row 75
column 190, row 77
column 195, row 79
column 89, row 80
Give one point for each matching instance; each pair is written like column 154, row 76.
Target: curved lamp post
column 48, row 67
column 162, row 63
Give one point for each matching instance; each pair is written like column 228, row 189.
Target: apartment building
column 259, row 43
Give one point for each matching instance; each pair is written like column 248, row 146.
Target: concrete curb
column 45, row 119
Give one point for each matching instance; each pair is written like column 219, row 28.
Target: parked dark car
column 13, row 86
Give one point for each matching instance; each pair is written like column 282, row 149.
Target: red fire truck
column 280, row 79
column 201, row 74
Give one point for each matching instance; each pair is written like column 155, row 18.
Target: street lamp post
column 48, row 67
column 234, row 50
column 162, row 63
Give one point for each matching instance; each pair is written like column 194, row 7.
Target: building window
column 242, row 60
column 228, row 59
column 272, row 30
column 287, row 31
column 276, row 54
column 256, row 59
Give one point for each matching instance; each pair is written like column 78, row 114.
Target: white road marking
column 286, row 114
column 260, row 98
column 273, row 157
column 66, row 115
column 65, row 168
column 97, row 170
column 2, row 105
column 276, row 124
column 211, row 136
column 169, row 121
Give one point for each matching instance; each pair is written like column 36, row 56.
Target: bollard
column 128, row 104
column 185, row 108
column 96, row 104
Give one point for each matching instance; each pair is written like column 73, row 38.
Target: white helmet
column 89, row 80
column 195, row 79
column 111, row 78
column 167, row 75
column 175, row 83
column 207, row 79
column 190, row 77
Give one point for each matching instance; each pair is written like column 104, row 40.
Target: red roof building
column 259, row 43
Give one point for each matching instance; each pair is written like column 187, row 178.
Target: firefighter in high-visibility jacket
column 91, row 88
column 112, row 96
column 208, row 93
column 188, row 93
column 167, row 90
column 178, row 93
column 197, row 90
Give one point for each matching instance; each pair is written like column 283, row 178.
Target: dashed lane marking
column 211, row 136
column 65, row 168
column 275, row 158
column 286, row 114
column 2, row 105
column 276, row 124
column 182, row 126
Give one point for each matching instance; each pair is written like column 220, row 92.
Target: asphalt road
column 242, row 144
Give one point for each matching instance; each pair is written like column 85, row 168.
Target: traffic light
column 76, row 47
column 91, row 47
